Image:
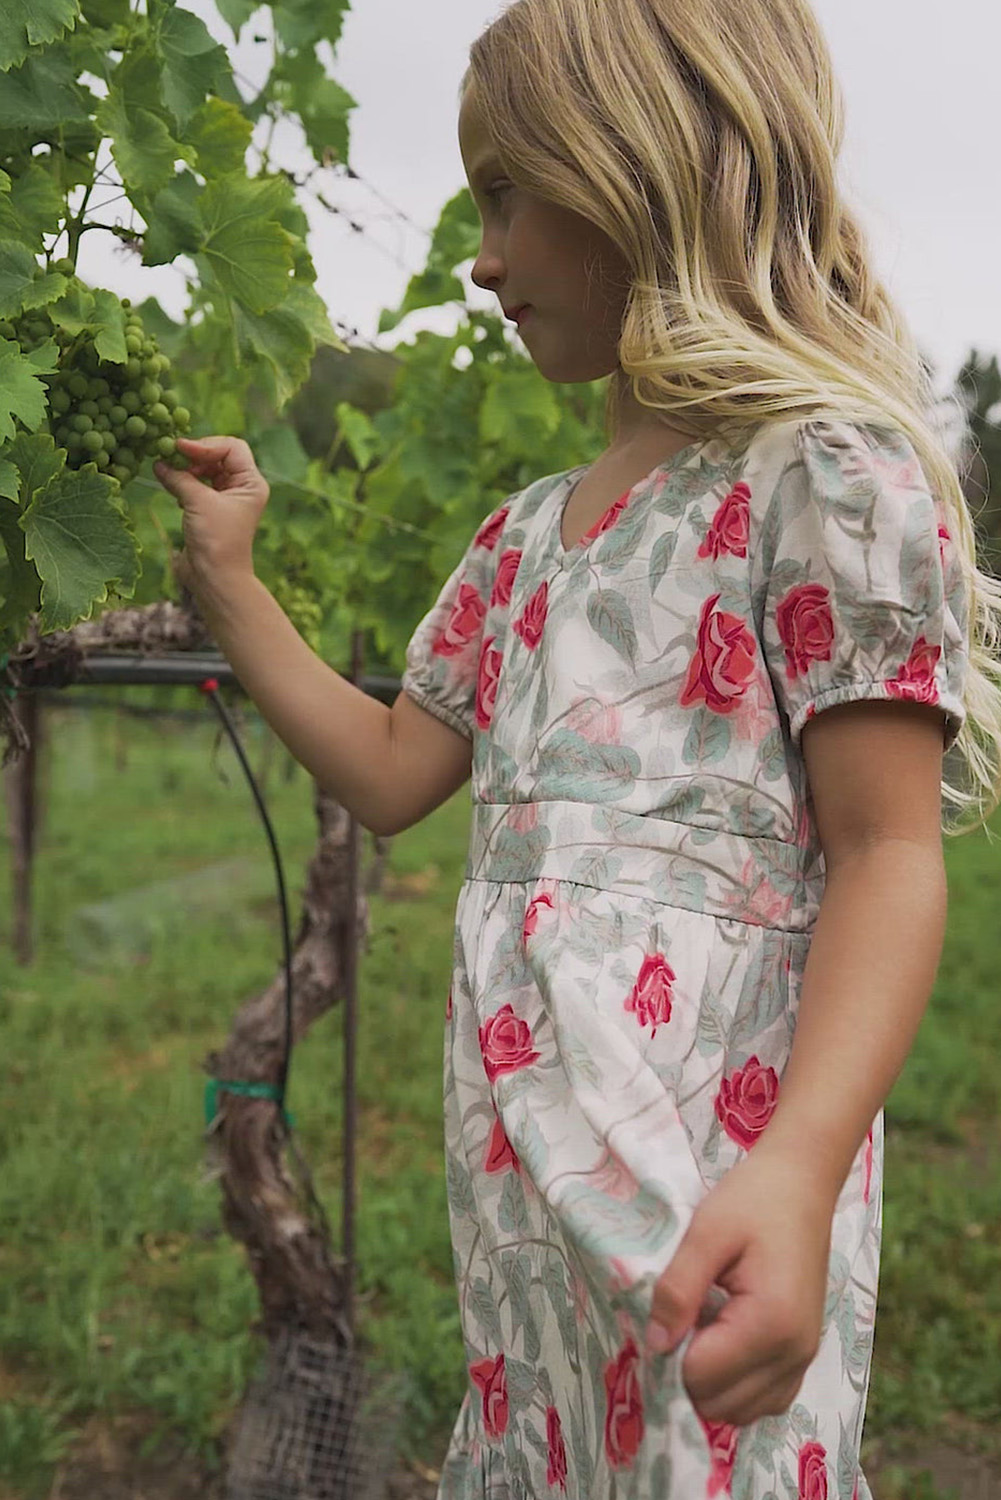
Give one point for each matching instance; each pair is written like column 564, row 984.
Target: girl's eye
column 497, row 191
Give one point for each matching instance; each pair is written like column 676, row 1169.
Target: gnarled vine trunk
column 268, row 1200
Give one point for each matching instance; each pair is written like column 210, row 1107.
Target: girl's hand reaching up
column 763, row 1234
column 220, row 517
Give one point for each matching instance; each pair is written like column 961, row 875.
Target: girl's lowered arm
column 874, row 769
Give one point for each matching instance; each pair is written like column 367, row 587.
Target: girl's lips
column 521, row 315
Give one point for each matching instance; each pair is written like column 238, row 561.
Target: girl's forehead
column 478, row 148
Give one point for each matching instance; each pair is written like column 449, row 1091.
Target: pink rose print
column 504, row 582
column 489, row 679
column 916, row 678
column 812, row 1472
column 770, row 906
column 731, row 525
column 532, row 914
column 855, row 1490
column 724, row 661
column 943, row 536
column 500, row 1155
column 489, row 1376
column 624, row 1410
column 556, row 1471
column 868, row 1166
column 650, row 997
column 523, row 816
column 448, row 1007
column 746, row 1101
column 533, row 619
column 805, row 626
column 489, row 533
column 506, row 1044
column 722, row 1440
column 612, row 1177
column 608, row 520
column 598, row 723
column 463, row 623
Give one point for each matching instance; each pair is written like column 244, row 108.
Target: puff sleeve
column 444, row 674
column 863, row 595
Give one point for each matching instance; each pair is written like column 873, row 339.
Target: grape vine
column 88, row 392
column 360, row 544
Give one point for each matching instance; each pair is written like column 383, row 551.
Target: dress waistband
column 765, row 881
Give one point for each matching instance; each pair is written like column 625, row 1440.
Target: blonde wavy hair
column 702, row 136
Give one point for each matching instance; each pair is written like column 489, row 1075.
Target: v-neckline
column 565, row 492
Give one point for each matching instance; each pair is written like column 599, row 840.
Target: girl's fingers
column 731, row 1348
column 764, row 1393
column 181, row 483
column 230, row 454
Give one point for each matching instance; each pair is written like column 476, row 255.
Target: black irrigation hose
column 210, row 687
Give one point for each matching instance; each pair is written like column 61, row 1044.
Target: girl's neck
column 641, row 433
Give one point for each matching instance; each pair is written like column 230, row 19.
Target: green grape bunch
column 113, row 415
column 302, row 608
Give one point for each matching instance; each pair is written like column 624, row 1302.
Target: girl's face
column 568, row 271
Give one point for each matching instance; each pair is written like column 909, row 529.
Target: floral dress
column 644, row 874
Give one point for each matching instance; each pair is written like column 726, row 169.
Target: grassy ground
column 119, row 1295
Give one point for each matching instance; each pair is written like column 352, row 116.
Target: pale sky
column 920, row 84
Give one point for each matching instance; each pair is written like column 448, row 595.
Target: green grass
column 118, row 1292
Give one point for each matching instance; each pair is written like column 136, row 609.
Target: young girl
column 704, row 687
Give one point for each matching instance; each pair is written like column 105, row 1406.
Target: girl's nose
column 488, row 271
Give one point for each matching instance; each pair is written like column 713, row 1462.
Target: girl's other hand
column 763, row 1234
column 221, row 516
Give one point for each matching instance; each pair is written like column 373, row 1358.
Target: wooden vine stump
column 268, row 1200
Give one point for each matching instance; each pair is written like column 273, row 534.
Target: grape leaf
column 17, row 268
column 10, row 480
column 303, row 23
column 22, row 394
column 245, row 249
column 282, row 342
column 34, row 461
column 132, row 115
column 109, row 327
column 518, row 412
column 285, row 337
column 321, row 104
column 310, row 308
column 75, row 310
column 33, row 207
column 359, row 434
column 80, row 540
column 42, row 95
column 21, row 287
column 106, row 12
column 174, row 221
column 43, row 290
column 288, row 212
column 30, row 23
column 236, row 13
column 456, row 240
column 98, row 312
column 192, row 61
column 220, row 133
column 142, row 146
column 37, row 460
